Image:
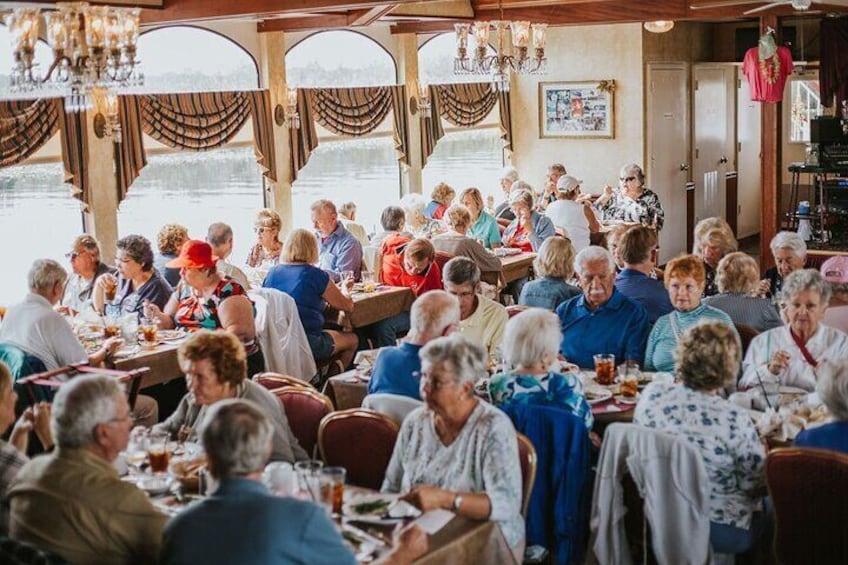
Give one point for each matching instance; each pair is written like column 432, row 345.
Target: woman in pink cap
column 835, row 271
column 207, row 299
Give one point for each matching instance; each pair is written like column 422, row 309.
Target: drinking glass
column 110, row 327
column 308, row 478
column 136, row 452
column 157, row 451
column 605, row 368
column 332, row 488
column 149, row 328
column 628, row 379
column 280, row 478
column 368, row 281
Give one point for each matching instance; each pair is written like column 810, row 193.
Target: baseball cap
column 195, row 254
column 835, row 270
column 568, row 183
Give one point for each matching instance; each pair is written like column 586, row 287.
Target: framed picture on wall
column 577, row 109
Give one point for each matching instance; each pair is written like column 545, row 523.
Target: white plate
column 357, row 499
column 791, row 390
column 153, row 486
column 170, row 335
column 627, row 399
column 598, row 394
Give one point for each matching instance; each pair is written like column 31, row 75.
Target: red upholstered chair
column 809, row 490
column 515, row 310
column 442, row 258
column 361, row 441
column 304, row 409
column 746, row 334
column 528, row 461
column 273, row 381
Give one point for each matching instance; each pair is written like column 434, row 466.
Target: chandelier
column 93, row 46
column 513, row 50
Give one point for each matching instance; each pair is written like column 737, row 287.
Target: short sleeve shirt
column 194, row 312
column 306, row 284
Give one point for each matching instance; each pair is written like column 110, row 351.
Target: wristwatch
column 457, row 502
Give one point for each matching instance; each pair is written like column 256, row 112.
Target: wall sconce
column 106, row 120
column 424, row 103
column 292, row 117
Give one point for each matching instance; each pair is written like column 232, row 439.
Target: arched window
column 463, row 157
column 190, row 188
column 363, row 169
column 38, row 216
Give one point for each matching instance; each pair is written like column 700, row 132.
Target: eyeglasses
column 626, row 179
column 261, row 229
column 427, row 380
column 72, row 255
column 119, row 419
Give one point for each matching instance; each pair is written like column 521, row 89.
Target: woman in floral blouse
column 530, row 344
column 632, row 202
column 707, row 359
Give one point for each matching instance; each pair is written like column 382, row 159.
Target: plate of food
column 170, row 335
column 597, row 394
column 627, row 399
column 153, row 485
column 373, row 505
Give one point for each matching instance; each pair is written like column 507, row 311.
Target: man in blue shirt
column 434, row 314
column 601, row 320
column 340, row 251
column 637, row 249
column 242, row 522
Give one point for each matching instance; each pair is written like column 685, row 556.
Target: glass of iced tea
column 111, row 328
column 157, row 452
column 628, row 379
column 332, row 488
column 605, row 368
column 149, row 328
column 110, row 289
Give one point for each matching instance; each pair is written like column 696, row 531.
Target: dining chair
column 273, row 381
column 529, row 461
column 809, row 491
column 304, row 408
column 342, row 436
column 442, row 258
column 746, row 335
column 395, row 406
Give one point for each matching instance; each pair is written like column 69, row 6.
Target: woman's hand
column 779, row 362
column 762, row 289
column 151, row 310
column 427, row 498
column 41, row 424
column 20, row 433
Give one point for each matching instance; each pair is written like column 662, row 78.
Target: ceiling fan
column 800, row 5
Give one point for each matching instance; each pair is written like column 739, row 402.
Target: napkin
column 402, row 509
column 434, row 520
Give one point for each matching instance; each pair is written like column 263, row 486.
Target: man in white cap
column 575, row 220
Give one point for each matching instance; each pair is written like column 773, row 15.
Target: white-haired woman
column 509, row 176
column 529, row 228
column 418, row 224
column 736, row 278
column 791, row 354
column 456, row 452
column 833, row 391
column 531, row 343
column 632, row 202
column 790, row 254
column 714, row 244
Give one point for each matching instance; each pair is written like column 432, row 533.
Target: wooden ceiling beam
column 371, row 15
column 306, row 23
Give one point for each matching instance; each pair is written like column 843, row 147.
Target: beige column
column 273, row 73
column 410, row 177
column 101, row 220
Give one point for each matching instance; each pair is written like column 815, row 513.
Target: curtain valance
column 25, row 126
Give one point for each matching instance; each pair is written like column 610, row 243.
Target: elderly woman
column 13, row 454
column 215, row 366
column 530, row 344
column 169, row 241
column 393, row 221
column 789, row 355
column 456, row 452
column 790, row 254
column 508, row 178
column 417, row 223
column 575, row 219
column 529, row 228
column 347, row 216
column 706, row 361
column 702, row 227
column 737, row 276
column 313, row 290
column 207, row 299
column 265, row 253
column 632, row 202
column 832, row 389
column 684, row 280
column 441, row 197
column 137, row 282
column 715, row 244
column 457, row 242
column 554, row 266
column 483, row 226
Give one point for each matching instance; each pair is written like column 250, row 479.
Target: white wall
column 586, row 53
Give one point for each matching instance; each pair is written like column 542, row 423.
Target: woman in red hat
column 207, row 299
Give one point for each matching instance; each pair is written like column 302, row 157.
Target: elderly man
column 479, row 318
column 71, row 501
column 393, row 220
column 36, row 328
column 87, row 266
column 434, row 314
column 339, row 250
column 637, row 249
column 555, row 172
column 225, row 527
column 220, row 237
column 602, row 319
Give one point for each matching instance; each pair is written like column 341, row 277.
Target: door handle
column 684, row 167
column 723, row 160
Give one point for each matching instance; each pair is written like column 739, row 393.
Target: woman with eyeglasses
column 137, row 281
column 631, row 202
column 266, row 251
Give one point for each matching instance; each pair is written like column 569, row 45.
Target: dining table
column 515, row 267
column 382, row 303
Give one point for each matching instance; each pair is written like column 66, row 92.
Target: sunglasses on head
column 627, row 179
column 261, row 229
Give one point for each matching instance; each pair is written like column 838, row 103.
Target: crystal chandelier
column 513, row 50
column 93, row 46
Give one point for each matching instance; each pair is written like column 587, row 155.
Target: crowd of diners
column 455, row 451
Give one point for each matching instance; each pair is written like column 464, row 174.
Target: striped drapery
column 466, row 104
column 303, row 140
column 74, row 140
column 25, row 126
column 131, row 157
column 263, row 132
column 351, row 111
column 431, row 128
column 197, row 121
column 505, row 107
column 400, row 132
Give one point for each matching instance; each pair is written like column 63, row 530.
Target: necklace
column 770, row 69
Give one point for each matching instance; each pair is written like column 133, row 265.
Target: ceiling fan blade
column 722, row 4
column 767, row 7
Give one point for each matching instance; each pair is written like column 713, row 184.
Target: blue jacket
column 559, row 504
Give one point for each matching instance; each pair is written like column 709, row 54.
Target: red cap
column 195, row 254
